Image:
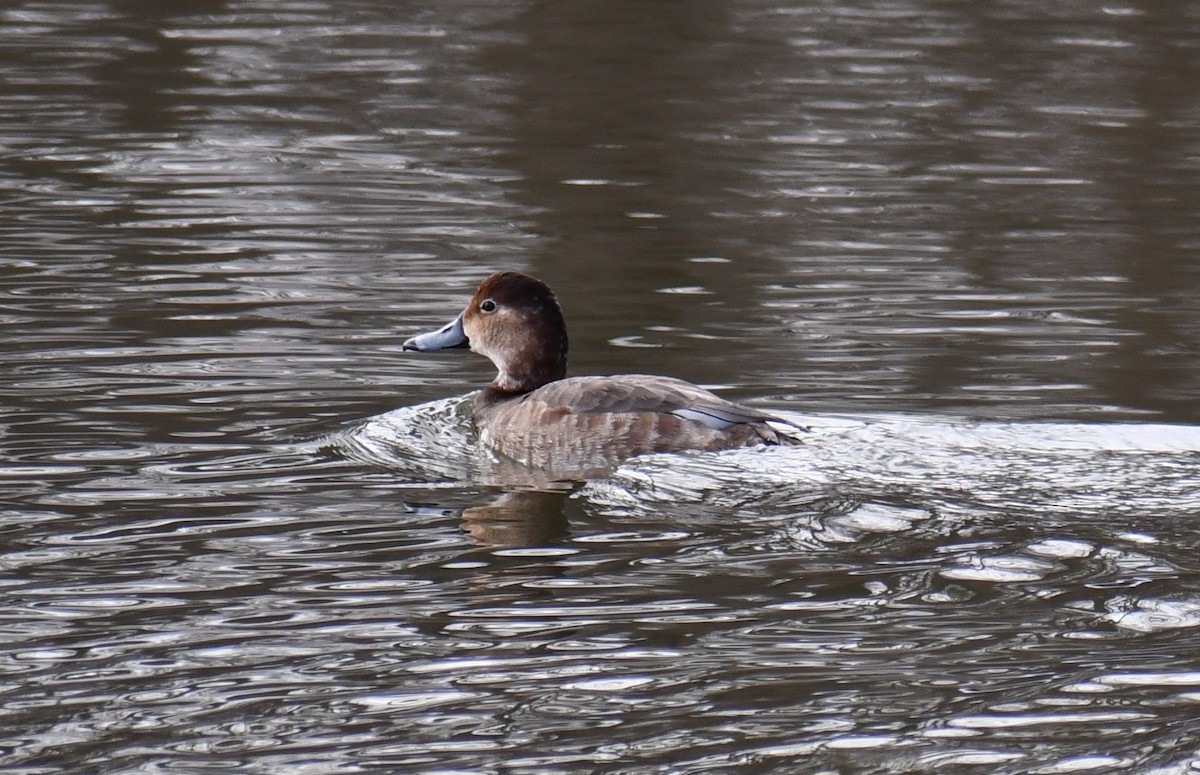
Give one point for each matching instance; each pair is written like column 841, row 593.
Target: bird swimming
column 534, row 413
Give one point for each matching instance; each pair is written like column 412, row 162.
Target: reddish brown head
column 516, row 322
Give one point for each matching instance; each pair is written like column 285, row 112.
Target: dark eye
column 487, row 305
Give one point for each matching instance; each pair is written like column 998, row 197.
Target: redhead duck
column 532, row 412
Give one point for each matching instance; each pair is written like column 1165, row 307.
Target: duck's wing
column 640, row 393
column 596, row 422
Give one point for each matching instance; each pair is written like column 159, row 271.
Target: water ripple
column 222, row 547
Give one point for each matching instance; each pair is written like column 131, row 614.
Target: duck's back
column 596, row 422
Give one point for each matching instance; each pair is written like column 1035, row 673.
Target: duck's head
column 515, row 321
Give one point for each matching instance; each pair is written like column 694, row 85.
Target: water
column 239, row 528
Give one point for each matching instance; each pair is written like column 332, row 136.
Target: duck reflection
column 523, row 517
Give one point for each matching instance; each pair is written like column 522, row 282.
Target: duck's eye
column 487, row 305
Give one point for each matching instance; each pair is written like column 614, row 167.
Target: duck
column 533, row 413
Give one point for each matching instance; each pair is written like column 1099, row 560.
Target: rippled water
column 240, row 529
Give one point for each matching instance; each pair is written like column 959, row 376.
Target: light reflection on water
column 224, row 546
column 972, row 600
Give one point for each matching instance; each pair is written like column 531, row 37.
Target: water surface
column 239, row 528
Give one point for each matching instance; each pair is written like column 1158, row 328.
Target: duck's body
column 604, row 420
column 534, row 414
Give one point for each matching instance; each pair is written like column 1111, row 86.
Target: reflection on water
column 892, row 594
column 240, row 530
column 518, row 518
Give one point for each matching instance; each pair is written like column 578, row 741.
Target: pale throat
column 509, row 382
column 523, row 372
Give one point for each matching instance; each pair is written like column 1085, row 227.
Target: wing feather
column 637, row 393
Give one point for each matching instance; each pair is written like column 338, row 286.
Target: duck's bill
column 449, row 335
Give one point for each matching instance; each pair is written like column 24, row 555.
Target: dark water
column 240, row 530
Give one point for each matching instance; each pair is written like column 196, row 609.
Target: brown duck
column 534, row 413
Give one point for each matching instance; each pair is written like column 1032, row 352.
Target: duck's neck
column 525, row 374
